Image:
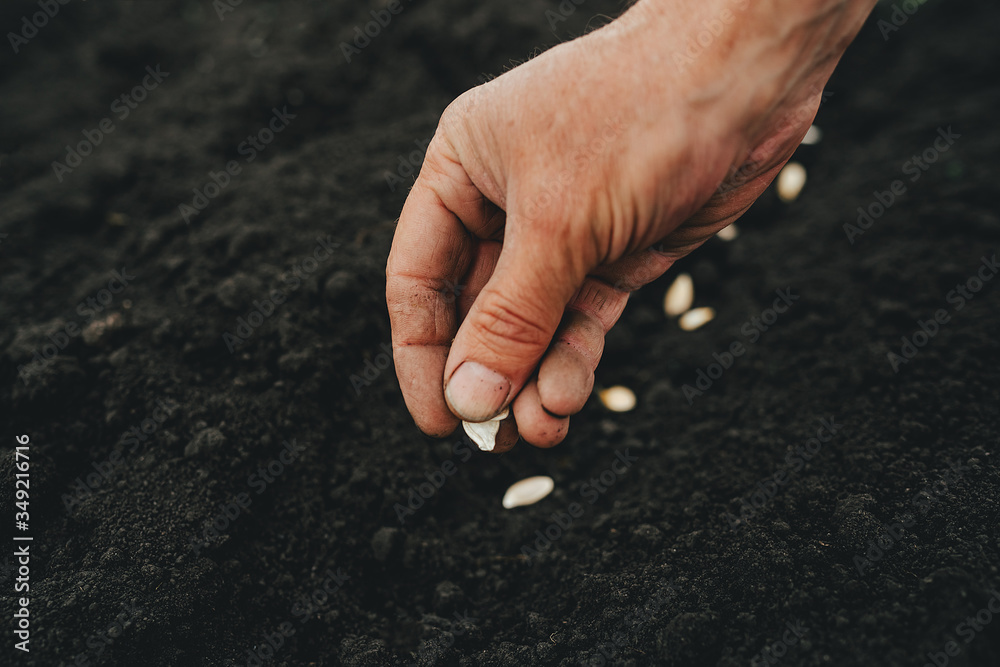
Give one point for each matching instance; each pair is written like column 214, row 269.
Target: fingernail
column 476, row 393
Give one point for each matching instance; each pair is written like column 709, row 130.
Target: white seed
column 528, row 491
column 698, row 317
column 680, row 296
column 728, row 233
column 484, row 434
column 813, row 135
column 791, row 180
column 618, row 398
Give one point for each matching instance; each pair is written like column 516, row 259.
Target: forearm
column 753, row 55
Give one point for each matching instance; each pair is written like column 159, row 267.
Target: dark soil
column 690, row 556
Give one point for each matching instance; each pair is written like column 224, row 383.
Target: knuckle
column 454, row 119
column 501, row 322
column 458, row 108
column 601, row 301
column 420, row 310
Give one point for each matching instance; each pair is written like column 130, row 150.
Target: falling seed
column 813, row 135
column 618, row 398
column 680, row 296
column 484, row 434
column 698, row 317
column 528, row 491
column 728, row 233
column 791, row 180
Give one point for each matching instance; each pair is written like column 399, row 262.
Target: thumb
column 511, row 323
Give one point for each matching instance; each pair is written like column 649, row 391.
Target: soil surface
column 220, row 479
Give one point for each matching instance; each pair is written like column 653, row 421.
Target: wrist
column 736, row 61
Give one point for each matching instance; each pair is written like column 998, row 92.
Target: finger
column 535, row 425
column 431, row 250
column 486, row 256
column 566, row 374
column 511, row 322
column 507, row 436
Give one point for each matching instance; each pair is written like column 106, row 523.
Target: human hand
column 554, row 190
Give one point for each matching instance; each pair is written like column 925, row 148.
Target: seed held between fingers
column 484, row 434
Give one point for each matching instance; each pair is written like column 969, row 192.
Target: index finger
column 433, row 248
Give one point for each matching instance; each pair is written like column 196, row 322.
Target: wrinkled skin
column 551, row 192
